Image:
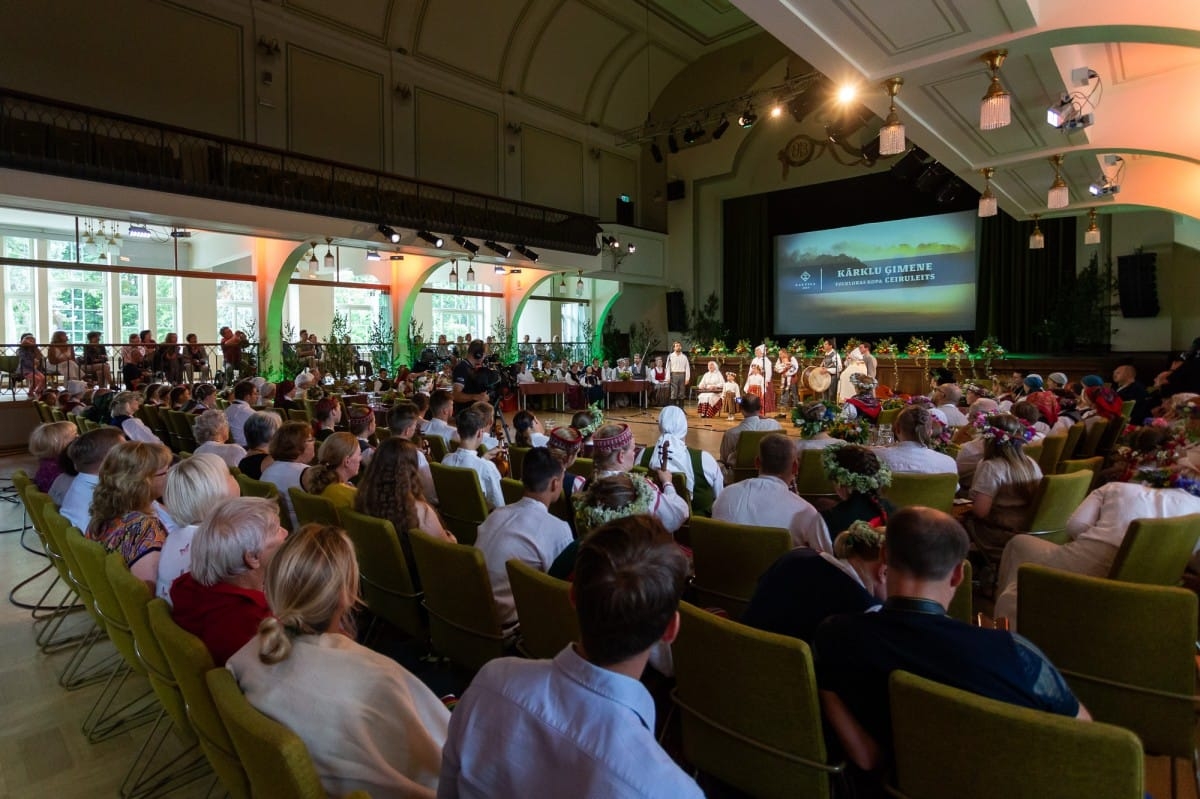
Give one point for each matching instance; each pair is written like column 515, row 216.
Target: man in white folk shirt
column 525, row 530
column 402, row 421
column 473, row 422
column 679, row 372
column 441, row 407
column 766, row 501
column 751, row 420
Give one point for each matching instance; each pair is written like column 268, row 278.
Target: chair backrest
column 386, row 572
column 931, row 490
column 1127, row 409
column 548, row 620
column 437, row 447
column 1052, row 452
column 190, row 660
column 312, row 507
column 888, row 415
column 1127, row 650
column 951, row 744
column 746, row 453
column 584, row 467
column 1156, row 551
column 59, row 532
column 468, row 508
column 1111, row 433
column 90, row 556
column 133, row 595
column 961, row 606
column 811, row 481
column 1058, row 497
column 298, row 414
column 512, row 490
column 750, row 714
column 516, row 462
column 276, row 761
column 1093, row 464
column 464, row 624
column 1074, row 433
column 1033, row 451
column 256, row 488
column 1090, row 443
column 729, row 558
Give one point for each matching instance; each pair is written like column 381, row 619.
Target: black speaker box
column 624, row 212
column 676, row 312
column 1137, row 284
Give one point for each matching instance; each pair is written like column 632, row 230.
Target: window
column 131, row 305
column 76, row 301
column 60, row 251
column 457, row 315
column 574, row 315
column 236, row 304
column 361, row 308
column 18, row 248
column 18, row 302
column 166, row 305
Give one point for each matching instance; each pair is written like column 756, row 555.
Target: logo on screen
column 805, row 276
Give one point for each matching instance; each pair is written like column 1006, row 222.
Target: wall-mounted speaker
column 676, row 190
column 624, row 211
column 1137, row 284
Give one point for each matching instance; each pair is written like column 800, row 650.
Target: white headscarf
column 672, row 423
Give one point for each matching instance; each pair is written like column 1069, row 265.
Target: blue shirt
column 561, row 727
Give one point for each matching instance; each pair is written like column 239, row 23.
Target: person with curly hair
column 858, row 475
column 338, row 461
column 1004, row 485
column 123, row 516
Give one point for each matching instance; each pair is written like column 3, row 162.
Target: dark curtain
column 1019, row 288
column 748, row 273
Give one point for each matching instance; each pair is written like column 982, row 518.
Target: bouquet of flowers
column 540, row 376
column 989, row 350
column 852, row 431
column 955, row 350
column 798, row 347
column 918, row 349
column 697, row 350
column 744, row 348
column 718, row 348
column 812, row 418
column 625, row 375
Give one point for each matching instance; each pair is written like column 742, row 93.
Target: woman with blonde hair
column 123, row 518
column 1004, row 484
column 368, row 723
column 338, row 461
column 195, row 486
column 48, row 443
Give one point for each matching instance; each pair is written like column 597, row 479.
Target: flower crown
column 813, row 417
column 999, row 435
column 855, row 481
column 1169, row 477
column 588, row 517
column 597, row 420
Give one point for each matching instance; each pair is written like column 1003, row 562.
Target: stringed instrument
column 502, row 461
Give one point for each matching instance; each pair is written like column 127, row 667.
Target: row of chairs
column 216, row 729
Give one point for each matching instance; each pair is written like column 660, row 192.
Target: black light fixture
column 466, row 244
column 428, row 237
column 610, row 241
column 720, row 129
column 390, row 234
column 312, row 259
column 528, row 253
column 748, row 117
column 499, row 249
column 672, row 145
column 656, row 152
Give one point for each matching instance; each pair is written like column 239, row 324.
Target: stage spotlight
column 931, row 179
column 748, row 118
column 720, row 129
column 672, row 145
column 690, row 135
column 528, row 253
column 425, row 235
column 391, row 235
column 656, row 152
column 466, row 244
column 847, row 93
column 499, row 249
column 910, row 166
column 776, row 111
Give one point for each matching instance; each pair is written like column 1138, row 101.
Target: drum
column 816, row 378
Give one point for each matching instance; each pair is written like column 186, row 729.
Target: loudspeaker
column 676, row 190
column 1137, row 283
column 676, row 312
column 624, row 211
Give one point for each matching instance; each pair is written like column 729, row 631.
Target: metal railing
column 44, row 135
column 108, row 365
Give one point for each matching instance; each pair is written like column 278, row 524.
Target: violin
column 501, row 460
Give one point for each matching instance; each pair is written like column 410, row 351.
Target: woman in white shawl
column 700, row 469
column 711, row 386
column 854, row 364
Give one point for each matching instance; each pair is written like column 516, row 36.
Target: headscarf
column 672, row 424
column 1104, row 400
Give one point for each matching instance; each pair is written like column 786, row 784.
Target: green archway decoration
column 271, row 336
column 403, row 356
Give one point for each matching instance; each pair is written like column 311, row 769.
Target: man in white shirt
column 751, row 420
column 245, row 395
column 525, row 530
column 402, row 421
column 946, row 397
column 441, row 405
column 87, row 453
column 765, row 501
column 679, row 373
column 473, row 421
column 869, row 359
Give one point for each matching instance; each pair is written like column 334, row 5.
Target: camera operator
column 471, row 378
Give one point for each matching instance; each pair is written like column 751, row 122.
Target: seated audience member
column 946, row 397
column 814, row 421
column 581, row 724
column 123, row 516
column 441, row 407
column 403, row 421
column 766, row 500
column 87, row 453
column 292, row 451
column 179, row 397
column 613, row 454
column 360, row 421
column 260, row 428
column 702, row 474
column 245, row 396
column 71, row 400
column 473, row 422
column 856, row 652
column 1056, row 380
column 1045, row 401
column 212, row 434
column 912, row 453
column 95, row 360
column 31, row 365
column 285, row 396
column 338, row 461
column 195, row 486
column 525, row 530
column 528, row 431
column 326, row 415
column 805, row 587
column 858, row 475
column 864, row 402
column 123, row 408
column 204, row 398
column 752, row 419
column 1100, row 402
column 1032, row 416
column 368, row 723
column 1004, row 485
column 1129, row 389
column 61, row 356
column 48, row 443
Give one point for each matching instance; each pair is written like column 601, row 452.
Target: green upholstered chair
column 1092, row 434
column 749, row 709
column 729, row 558
column 388, row 585
column 1092, row 465
column 1033, row 451
column 190, row 660
column 48, row 614
column 1052, row 452
column 1127, row 650
column 298, row 415
column 180, row 425
column 746, row 453
column 584, row 467
column 512, row 490
column 516, row 462
column 277, row 762
column 1058, row 497
column 931, row 490
column 548, row 620
column 811, row 481
column 312, row 508
column 1127, row 409
column 464, row 625
column 437, row 448
column 460, row 498
column 1112, row 432
column 888, row 415
column 961, row 606
column 1156, row 551
column 256, row 488
column 951, row 744
column 59, row 531
column 1074, row 434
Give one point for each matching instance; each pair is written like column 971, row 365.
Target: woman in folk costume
column 711, row 386
column 763, row 362
column 854, row 364
column 700, row 469
column 863, row 403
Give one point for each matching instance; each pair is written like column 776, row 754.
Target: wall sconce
column 268, row 47
column 403, row 91
column 579, row 285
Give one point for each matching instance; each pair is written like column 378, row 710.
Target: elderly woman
column 1004, row 485
column 48, row 443
column 123, row 516
column 863, row 403
column 701, row 470
column 260, row 428
column 292, row 451
column 212, row 433
column 195, row 486
column 380, row 730
column 61, row 355
column 711, row 386
column 220, row 600
column 338, row 462
column 814, row 420
column 913, row 452
column 123, row 408
column 858, row 476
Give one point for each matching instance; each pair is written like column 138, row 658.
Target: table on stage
column 639, row 387
column 558, row 390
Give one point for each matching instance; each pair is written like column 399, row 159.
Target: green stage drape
column 749, row 273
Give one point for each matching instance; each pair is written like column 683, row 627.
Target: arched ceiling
column 1146, row 53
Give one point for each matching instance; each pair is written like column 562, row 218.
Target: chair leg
column 103, row 721
column 177, row 771
column 73, row 675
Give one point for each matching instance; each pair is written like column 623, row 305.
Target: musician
column 638, row 369
column 703, row 476
column 787, row 368
column 470, row 385
column 711, row 386
column 831, row 362
column 614, row 454
column 763, row 362
column 680, row 374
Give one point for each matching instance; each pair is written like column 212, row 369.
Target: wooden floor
column 44, row 754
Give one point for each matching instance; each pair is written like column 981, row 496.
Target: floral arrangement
column 852, row 431
column 771, row 347
column 921, row 401
column 588, row 516
column 998, row 435
column 423, row 384
column 955, row 349
column 893, row 402
column 886, row 348
column 718, row 348
column 918, row 349
column 744, row 347
column 540, row 376
column 813, row 417
column 798, row 347
column 697, row 350
column 989, row 350
column 861, row 483
column 624, row 374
